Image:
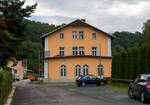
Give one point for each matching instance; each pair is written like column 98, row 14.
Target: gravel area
column 36, row 94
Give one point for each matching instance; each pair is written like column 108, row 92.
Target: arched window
column 77, row 70
column 100, row 69
column 63, row 70
column 85, row 70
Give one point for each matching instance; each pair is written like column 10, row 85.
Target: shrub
column 5, row 85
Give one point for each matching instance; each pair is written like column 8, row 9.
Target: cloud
column 108, row 15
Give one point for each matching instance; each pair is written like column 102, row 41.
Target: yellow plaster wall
column 54, row 66
column 54, row 41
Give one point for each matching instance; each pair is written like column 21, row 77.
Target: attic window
column 74, row 35
column 81, row 35
column 93, row 36
column 61, row 36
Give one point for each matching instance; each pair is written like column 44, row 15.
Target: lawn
column 118, row 86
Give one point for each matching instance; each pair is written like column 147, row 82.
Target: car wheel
column 83, row 84
column 102, row 83
column 130, row 93
column 97, row 84
column 142, row 97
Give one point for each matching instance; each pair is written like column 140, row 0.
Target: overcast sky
column 107, row 15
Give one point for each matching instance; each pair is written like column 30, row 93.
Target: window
column 75, row 51
column 94, row 51
column 85, row 70
column 81, row 35
column 77, row 70
column 94, row 36
column 61, row 51
column 61, row 36
column 74, row 35
column 81, row 50
column 47, row 53
column 63, row 70
column 100, row 69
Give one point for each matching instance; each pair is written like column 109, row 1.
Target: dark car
column 140, row 88
column 84, row 80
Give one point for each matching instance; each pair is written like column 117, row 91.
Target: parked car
column 140, row 88
column 84, row 80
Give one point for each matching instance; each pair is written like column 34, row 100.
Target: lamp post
column 100, row 53
column 100, row 60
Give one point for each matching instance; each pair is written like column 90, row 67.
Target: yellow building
column 18, row 68
column 77, row 48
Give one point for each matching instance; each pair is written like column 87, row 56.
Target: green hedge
column 128, row 65
column 5, row 86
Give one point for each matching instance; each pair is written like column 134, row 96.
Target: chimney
column 83, row 20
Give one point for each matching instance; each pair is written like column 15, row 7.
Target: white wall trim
column 46, row 69
column 46, row 43
column 109, row 46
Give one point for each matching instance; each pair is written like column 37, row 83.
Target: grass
column 118, row 86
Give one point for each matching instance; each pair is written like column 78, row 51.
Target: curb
column 11, row 96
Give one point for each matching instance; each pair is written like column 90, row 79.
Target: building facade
column 18, row 68
column 77, row 48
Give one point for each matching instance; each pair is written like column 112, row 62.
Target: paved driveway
column 29, row 94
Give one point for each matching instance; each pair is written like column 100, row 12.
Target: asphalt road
column 34, row 94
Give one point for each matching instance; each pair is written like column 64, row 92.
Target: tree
column 124, row 41
column 29, row 50
column 12, row 26
column 145, row 36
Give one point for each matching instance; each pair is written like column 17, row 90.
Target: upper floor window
column 93, row 36
column 75, row 50
column 94, row 51
column 81, row 50
column 63, row 70
column 61, row 36
column 47, row 53
column 81, row 35
column 61, row 51
column 74, row 35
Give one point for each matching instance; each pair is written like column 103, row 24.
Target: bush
column 128, row 65
column 5, row 85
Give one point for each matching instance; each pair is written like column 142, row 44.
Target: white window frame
column 61, row 36
column 61, row 51
column 77, row 70
column 93, row 36
column 81, row 50
column 63, row 71
column 74, row 51
column 94, row 51
column 81, row 35
column 85, row 70
column 74, row 35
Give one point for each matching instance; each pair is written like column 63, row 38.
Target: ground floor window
column 63, row 70
column 85, row 70
column 100, row 69
column 77, row 70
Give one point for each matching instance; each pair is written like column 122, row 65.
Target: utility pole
column 39, row 63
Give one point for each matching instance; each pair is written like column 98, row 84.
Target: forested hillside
column 124, row 41
column 31, row 44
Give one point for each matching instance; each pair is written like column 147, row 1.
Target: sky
column 107, row 15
